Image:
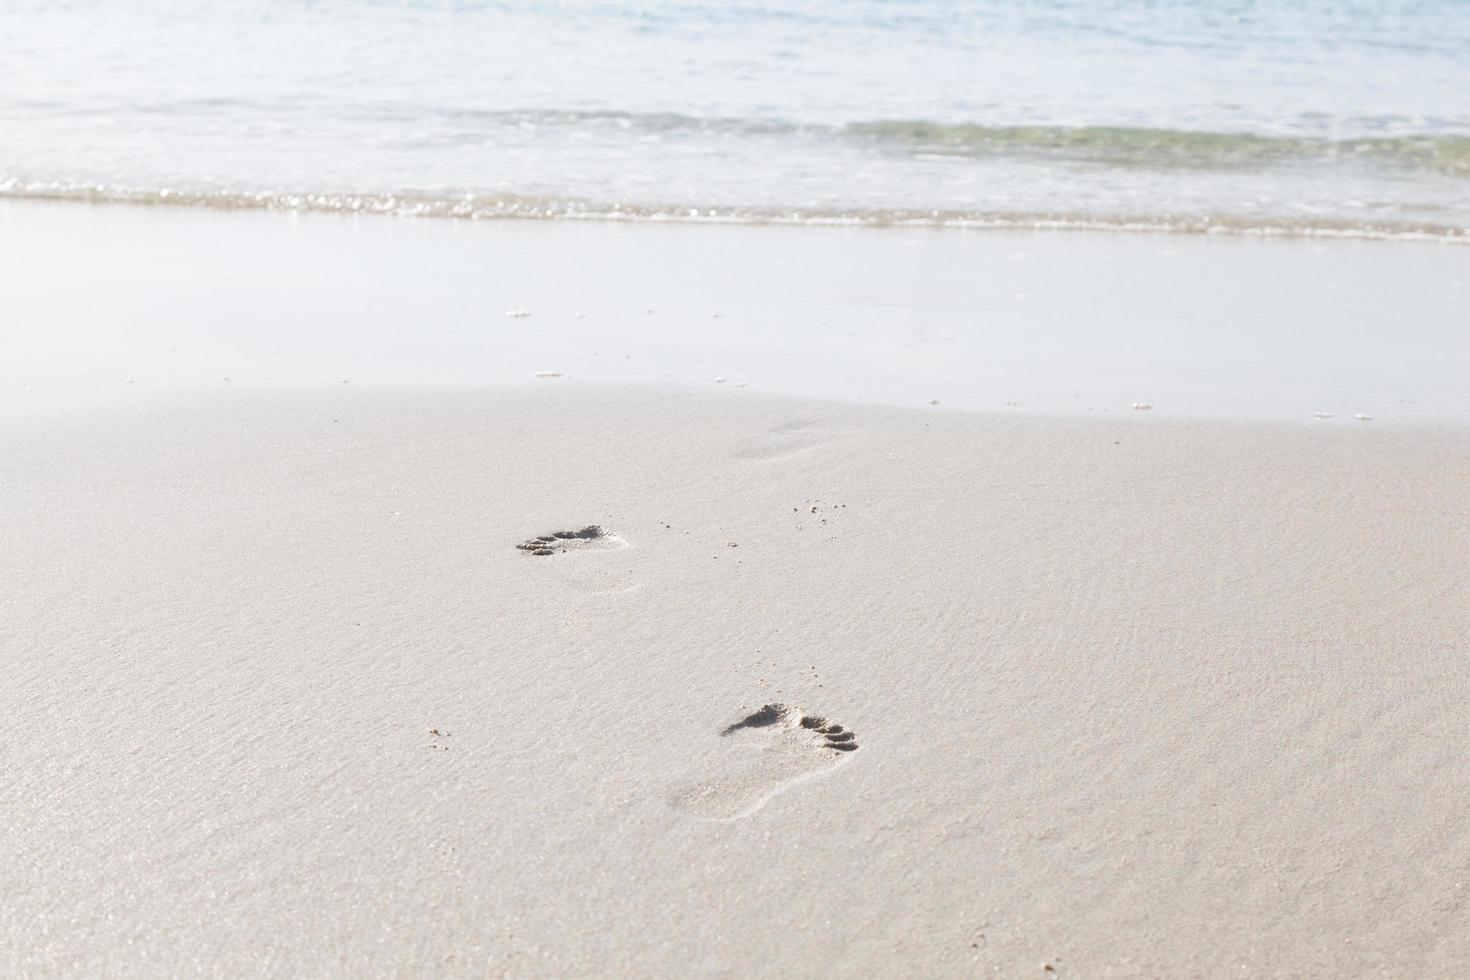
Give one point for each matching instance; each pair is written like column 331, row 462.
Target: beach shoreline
column 844, row 488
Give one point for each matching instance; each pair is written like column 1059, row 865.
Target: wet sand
column 1048, row 323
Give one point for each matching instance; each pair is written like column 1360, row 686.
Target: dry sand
column 1132, row 697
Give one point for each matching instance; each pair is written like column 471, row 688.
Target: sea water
column 1277, row 116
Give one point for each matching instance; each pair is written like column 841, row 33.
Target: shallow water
column 1309, row 117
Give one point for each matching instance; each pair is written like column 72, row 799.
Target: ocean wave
column 1387, row 141
column 475, row 207
column 1393, row 141
column 1123, row 146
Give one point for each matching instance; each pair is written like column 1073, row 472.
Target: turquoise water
column 1312, row 117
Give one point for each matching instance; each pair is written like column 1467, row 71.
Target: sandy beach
column 1131, row 696
column 778, row 489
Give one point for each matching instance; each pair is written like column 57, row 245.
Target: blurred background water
column 1301, row 117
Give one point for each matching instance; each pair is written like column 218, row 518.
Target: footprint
column 785, row 441
column 593, row 537
column 779, row 747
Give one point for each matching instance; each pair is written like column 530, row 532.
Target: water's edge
column 482, row 207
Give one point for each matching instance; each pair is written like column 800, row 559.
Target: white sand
column 1133, row 697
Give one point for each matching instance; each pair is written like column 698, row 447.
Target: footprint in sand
column 785, row 441
column 593, row 537
column 778, row 748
